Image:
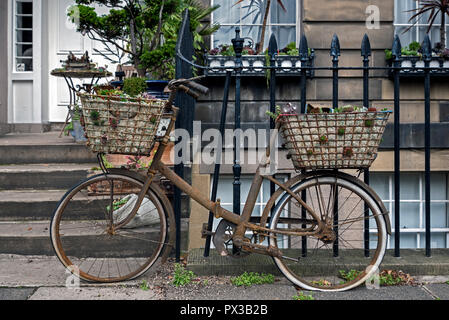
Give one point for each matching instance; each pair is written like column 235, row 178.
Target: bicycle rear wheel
column 83, row 234
column 339, row 258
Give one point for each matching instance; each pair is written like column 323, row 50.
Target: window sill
column 253, row 65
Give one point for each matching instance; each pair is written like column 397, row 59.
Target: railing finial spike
column 397, row 47
column 427, row 48
column 273, row 45
column 366, row 46
column 303, row 48
column 335, row 46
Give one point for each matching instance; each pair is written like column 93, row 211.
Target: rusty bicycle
column 325, row 230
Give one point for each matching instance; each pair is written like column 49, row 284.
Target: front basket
column 333, row 140
column 121, row 126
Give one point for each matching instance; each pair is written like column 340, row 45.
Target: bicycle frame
column 242, row 221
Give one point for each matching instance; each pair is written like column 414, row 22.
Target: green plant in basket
column 134, row 86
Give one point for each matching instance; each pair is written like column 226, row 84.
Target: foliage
column 249, row 279
column 302, row 296
column 290, row 50
column 144, row 286
column 434, row 9
column 412, row 50
column 144, row 30
column 350, row 275
column 182, row 276
column 134, row 86
column 275, row 115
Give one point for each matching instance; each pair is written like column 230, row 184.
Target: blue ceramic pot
column 156, row 88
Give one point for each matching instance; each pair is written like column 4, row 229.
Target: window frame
column 421, row 230
column 417, row 26
column 297, row 24
column 15, row 44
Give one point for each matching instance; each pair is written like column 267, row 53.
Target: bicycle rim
column 338, row 261
column 81, row 231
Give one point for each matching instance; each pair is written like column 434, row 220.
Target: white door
column 63, row 38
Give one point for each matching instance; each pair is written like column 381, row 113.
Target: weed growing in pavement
column 249, row 279
column 144, row 286
column 302, row 296
column 182, row 276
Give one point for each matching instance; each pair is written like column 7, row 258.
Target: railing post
column 272, row 51
column 304, row 57
column 335, row 53
column 237, row 42
column 224, row 111
column 397, row 146
column 427, row 56
column 186, row 104
column 366, row 53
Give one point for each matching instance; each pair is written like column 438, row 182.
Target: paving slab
column 9, row 294
column 439, row 290
column 281, row 291
column 383, row 293
column 95, row 293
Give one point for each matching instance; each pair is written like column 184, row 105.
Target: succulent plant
column 348, row 152
column 341, row 131
column 324, row 139
column 369, row 123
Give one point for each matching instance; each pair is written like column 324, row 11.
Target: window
column 418, row 31
column 412, row 210
column 23, row 35
column 249, row 15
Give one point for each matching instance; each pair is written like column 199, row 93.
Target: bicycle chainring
column 223, row 240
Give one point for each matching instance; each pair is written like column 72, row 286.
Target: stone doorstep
column 411, row 261
column 43, row 176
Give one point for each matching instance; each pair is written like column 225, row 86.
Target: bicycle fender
column 165, row 204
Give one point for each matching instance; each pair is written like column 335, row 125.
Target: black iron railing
column 395, row 70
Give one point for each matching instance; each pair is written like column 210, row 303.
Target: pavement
column 44, row 278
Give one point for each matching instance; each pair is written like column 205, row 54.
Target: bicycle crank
column 223, row 240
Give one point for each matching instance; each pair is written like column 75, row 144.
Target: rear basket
column 121, row 126
column 333, row 140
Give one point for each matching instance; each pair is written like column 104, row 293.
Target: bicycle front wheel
column 84, row 237
column 349, row 249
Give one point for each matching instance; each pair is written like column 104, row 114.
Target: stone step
column 40, row 205
column 43, row 176
column 33, row 238
column 42, row 148
column 37, row 205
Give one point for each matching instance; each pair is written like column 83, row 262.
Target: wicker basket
column 126, row 127
column 333, row 140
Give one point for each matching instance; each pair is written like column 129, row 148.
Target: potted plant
column 412, row 54
column 144, row 31
column 411, row 59
column 253, row 63
column 75, row 128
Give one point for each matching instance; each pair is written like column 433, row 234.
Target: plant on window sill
column 253, row 63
